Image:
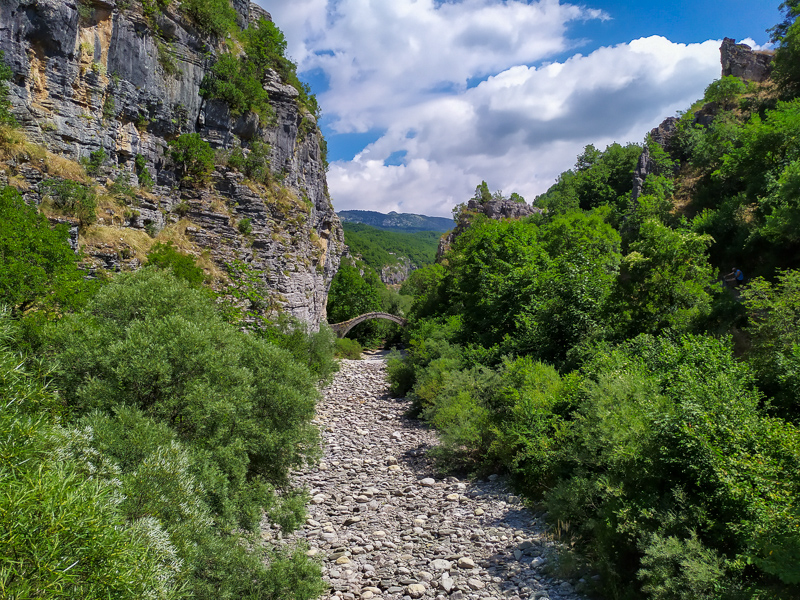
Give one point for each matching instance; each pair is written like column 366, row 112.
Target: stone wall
column 85, row 83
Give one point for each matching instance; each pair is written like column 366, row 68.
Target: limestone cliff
column 97, row 74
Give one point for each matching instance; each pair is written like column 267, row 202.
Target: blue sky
column 422, row 99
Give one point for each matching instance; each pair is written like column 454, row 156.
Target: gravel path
column 386, row 527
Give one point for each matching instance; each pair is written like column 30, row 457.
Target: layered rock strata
column 94, row 75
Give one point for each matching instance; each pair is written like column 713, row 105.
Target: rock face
column 93, row 75
column 740, row 60
column 397, row 273
column 661, row 135
column 494, row 209
column 387, row 527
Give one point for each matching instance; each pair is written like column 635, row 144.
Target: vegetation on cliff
column 602, row 355
column 149, row 423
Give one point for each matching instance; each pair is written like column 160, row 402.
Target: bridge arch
column 343, row 328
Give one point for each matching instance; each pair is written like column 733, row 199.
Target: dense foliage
column 379, row 248
column 238, row 80
column 357, row 289
column 162, row 438
column 38, row 266
column 599, row 354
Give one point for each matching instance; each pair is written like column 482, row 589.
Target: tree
column 482, row 194
column 787, row 58
column 183, row 266
column 352, row 294
column 725, row 91
column 774, row 327
column 194, row 157
column 37, row 265
column 664, row 282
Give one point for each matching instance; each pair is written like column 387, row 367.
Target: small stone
column 447, row 583
column 312, row 552
column 479, row 512
column 476, row 584
column 379, row 534
column 466, row 563
column 318, row 499
column 452, row 497
column 351, row 521
column 391, row 460
column 367, row 595
column 394, row 467
column 427, row 482
column 416, row 590
column 342, row 560
column 440, row 564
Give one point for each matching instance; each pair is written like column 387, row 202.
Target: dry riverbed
column 386, row 527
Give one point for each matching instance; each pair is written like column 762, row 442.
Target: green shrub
column 194, row 158
column 183, row 266
column 95, row 161
column 6, row 118
column 349, row 349
column 37, row 266
column 725, row 91
column 64, row 532
column 774, row 327
column 214, row 17
column 245, row 226
column 72, row 198
column 145, row 179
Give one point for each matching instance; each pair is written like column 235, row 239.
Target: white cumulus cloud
column 461, row 90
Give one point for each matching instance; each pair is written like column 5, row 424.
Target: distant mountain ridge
column 397, row 221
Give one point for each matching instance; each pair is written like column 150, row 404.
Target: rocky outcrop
column 741, row 61
column 661, row 135
column 397, row 273
column 92, row 75
column 494, row 209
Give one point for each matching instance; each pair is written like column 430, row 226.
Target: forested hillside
column 393, row 221
column 630, row 357
column 379, row 248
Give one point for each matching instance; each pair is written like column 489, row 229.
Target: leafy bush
column 154, row 374
column 725, row 91
column 72, row 198
column 245, row 226
column 145, row 179
column 774, row 324
column 65, row 532
column 37, row 266
column 214, row 17
column 347, row 348
column 6, row 118
column 95, row 161
column 182, row 266
column 193, row 157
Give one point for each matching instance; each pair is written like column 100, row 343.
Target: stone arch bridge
column 342, row 329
